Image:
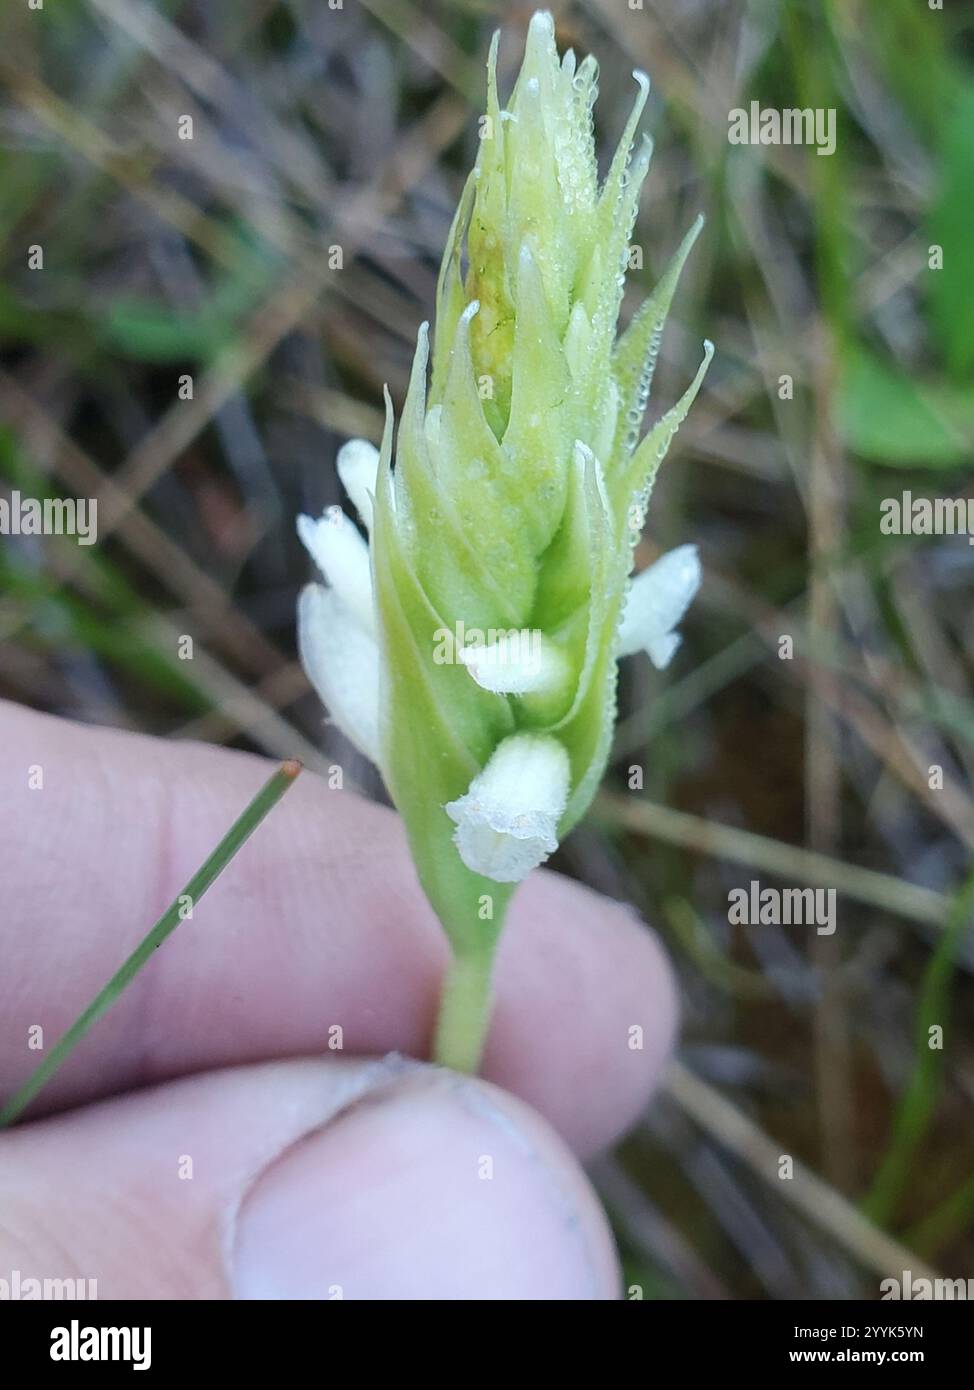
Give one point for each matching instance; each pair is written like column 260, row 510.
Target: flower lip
column 520, row 662
column 507, row 823
column 358, row 466
column 342, row 555
column 657, row 600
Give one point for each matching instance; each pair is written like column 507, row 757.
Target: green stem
column 241, row 830
column 461, row 1028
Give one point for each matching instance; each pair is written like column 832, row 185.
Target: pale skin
column 205, row 1141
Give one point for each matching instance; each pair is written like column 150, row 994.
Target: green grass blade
column 241, row 830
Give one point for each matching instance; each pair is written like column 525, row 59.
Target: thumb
column 305, row 1180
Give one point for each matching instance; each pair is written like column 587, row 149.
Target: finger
column 318, row 935
column 308, row 1180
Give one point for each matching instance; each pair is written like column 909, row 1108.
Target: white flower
column 507, row 823
column 520, row 662
column 657, row 600
column 336, row 625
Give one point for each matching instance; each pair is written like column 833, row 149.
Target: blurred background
column 216, row 315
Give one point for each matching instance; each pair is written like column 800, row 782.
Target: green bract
column 477, row 663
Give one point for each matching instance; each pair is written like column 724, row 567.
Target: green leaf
column 888, row 416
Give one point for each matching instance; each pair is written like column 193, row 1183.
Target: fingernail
column 436, row 1187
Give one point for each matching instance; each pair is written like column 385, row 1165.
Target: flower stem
column 241, row 830
column 461, row 1029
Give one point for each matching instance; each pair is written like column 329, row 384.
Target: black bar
column 727, row 1337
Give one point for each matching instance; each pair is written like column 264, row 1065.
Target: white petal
column 661, row 650
column 657, row 600
column 342, row 555
column 358, row 468
column 521, row 662
column 341, row 660
column 507, row 823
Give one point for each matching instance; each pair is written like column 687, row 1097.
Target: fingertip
column 436, row 1187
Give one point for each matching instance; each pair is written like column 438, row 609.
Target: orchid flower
column 519, row 489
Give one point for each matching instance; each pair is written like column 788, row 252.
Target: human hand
column 204, row 1141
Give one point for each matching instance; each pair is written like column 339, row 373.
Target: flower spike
column 470, row 646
